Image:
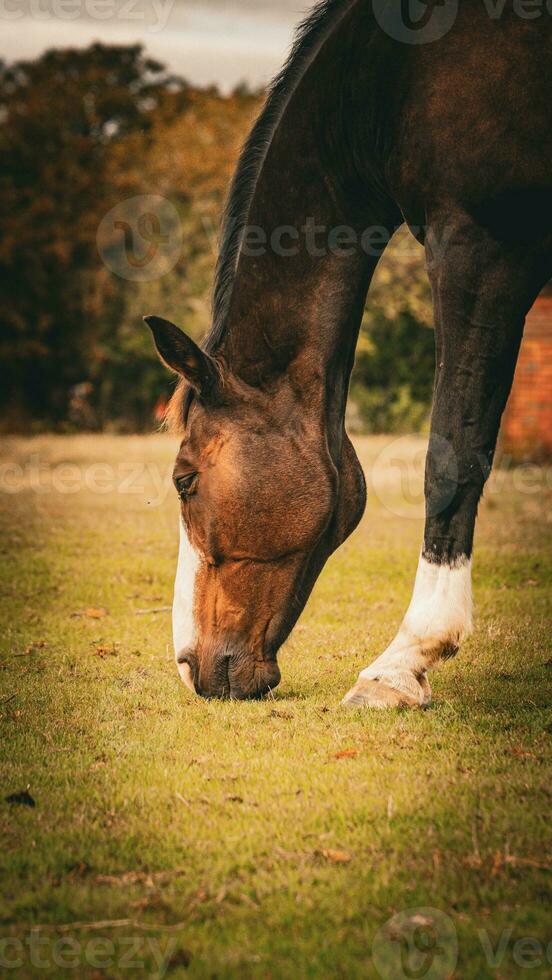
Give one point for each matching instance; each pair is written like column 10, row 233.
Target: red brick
column 527, row 423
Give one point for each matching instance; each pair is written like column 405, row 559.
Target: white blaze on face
column 438, row 618
column 183, row 618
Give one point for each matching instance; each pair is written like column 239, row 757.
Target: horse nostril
column 212, row 679
column 221, row 675
column 188, row 668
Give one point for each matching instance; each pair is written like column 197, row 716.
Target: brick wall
column 527, row 422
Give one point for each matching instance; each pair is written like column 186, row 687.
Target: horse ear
column 181, row 354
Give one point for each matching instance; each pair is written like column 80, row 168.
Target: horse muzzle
column 239, row 675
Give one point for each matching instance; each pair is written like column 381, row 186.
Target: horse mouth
column 252, row 679
column 229, row 677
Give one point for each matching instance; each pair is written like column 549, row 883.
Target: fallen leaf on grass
column 336, row 857
column 286, row 855
column 20, row 799
column 496, row 866
column 91, row 613
column 527, row 862
column 346, row 754
column 150, row 903
column 498, row 861
column 147, row 878
column 152, row 611
column 397, row 931
column 244, row 897
column 31, row 648
column 35, row 645
column 280, row 714
column 201, row 896
column 522, row 753
column 105, row 651
column 234, row 798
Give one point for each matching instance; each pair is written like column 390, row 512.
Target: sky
column 213, row 41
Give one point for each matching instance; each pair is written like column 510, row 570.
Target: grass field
column 273, row 839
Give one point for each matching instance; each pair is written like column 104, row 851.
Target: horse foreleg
column 482, row 291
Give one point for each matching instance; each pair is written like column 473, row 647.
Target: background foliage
column 81, row 131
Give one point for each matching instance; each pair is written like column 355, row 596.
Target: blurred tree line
column 81, row 131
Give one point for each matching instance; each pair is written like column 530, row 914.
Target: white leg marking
column 183, row 619
column 438, row 618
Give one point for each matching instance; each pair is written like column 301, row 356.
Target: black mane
column 309, row 37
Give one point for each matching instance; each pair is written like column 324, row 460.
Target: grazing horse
column 442, row 122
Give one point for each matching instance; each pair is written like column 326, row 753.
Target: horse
column 442, row 121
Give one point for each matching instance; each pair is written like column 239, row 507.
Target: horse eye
column 185, row 485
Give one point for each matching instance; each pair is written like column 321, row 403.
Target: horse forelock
column 175, row 412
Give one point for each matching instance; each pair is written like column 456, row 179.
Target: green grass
column 212, row 829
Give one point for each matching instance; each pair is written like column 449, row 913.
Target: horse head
column 262, row 505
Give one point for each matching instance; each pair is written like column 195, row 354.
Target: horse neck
column 296, row 317
column 297, row 298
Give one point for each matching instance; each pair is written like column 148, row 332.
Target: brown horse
column 379, row 117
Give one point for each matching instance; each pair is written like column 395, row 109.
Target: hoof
column 375, row 694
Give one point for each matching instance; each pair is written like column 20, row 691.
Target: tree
column 60, row 116
column 82, row 134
